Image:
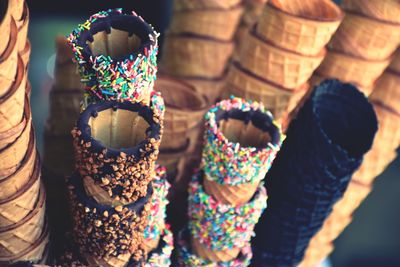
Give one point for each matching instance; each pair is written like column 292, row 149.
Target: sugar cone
column 352, row 69
column 23, row 25
column 288, row 69
column 26, row 53
column 386, row 10
column 211, row 88
column 23, row 234
column 387, row 90
column 9, row 62
column 213, row 4
column 300, row 26
column 213, row 255
column 12, row 103
column 18, row 206
column 16, row 181
column 395, row 64
column 17, row 8
column 119, row 261
column 12, row 155
column 189, row 56
column 9, row 136
column 214, row 23
column 5, row 22
column 366, row 37
column 244, row 84
column 34, row 253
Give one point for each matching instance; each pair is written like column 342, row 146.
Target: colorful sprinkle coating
column 131, row 77
column 188, row 259
column 220, row 226
column 162, row 257
column 159, row 203
column 228, row 162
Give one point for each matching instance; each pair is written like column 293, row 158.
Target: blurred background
column 372, row 240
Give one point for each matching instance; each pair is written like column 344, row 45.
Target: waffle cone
column 16, row 181
column 365, row 37
column 188, row 56
column 23, row 25
column 34, row 253
column 9, row 136
column 387, row 91
column 214, row 23
column 304, row 27
column 100, row 195
column 386, row 10
column 26, row 53
column 119, row 261
column 12, row 155
column 282, row 67
column 17, row 9
column 211, row 4
column 9, row 62
column 5, row 27
column 232, row 195
column 243, row 84
column 252, row 12
column 16, row 207
column 12, row 103
column 173, row 160
column 23, row 234
column 211, row 88
column 351, row 69
column 315, row 255
column 211, row 255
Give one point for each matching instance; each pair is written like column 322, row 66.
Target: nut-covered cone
column 301, row 26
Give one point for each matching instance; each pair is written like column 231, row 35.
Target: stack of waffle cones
column 385, row 99
column 236, row 156
column 363, row 45
column 200, row 43
column 280, row 52
column 23, row 227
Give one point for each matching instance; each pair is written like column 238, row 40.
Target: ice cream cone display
column 301, row 198
column 192, row 56
column 17, row 237
column 366, row 37
column 181, row 5
column 241, row 141
column 12, row 154
column 352, row 69
column 283, row 67
column 17, row 9
column 218, row 24
column 9, row 63
column 304, row 27
column 116, row 145
column 211, row 222
column 244, row 84
column 387, row 90
column 125, row 47
column 386, row 10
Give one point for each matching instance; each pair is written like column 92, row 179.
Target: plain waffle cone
column 173, row 160
column 301, row 26
column 282, row 67
column 9, row 136
column 34, row 253
column 232, row 195
column 211, row 88
column 18, row 206
column 209, row 4
column 119, row 261
column 189, row 56
column 9, row 62
column 387, row 90
column 26, row 53
column 352, row 69
column 12, row 103
column 366, row 37
column 23, row 234
column 213, row 255
column 12, row 155
column 5, row 28
column 23, row 25
column 215, row 23
column 276, row 99
column 386, row 10
column 16, row 181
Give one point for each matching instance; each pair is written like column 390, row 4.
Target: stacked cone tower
column 384, row 98
column 363, row 45
column 280, row 52
column 117, row 192
column 227, row 195
column 24, row 232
